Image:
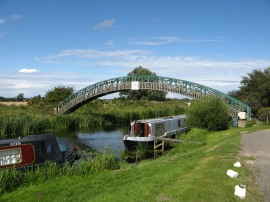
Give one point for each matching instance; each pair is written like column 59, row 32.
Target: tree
column 58, row 94
column 35, row 100
column 20, row 97
column 255, row 89
column 264, row 114
column 143, row 94
column 210, row 113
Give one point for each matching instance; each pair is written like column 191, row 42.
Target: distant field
column 14, row 103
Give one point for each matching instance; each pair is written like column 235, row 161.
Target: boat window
column 179, row 123
column 10, row 156
column 159, row 130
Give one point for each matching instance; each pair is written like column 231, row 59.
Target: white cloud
column 105, row 24
column 25, row 70
column 219, row 74
column 152, row 41
column 216, row 73
column 90, row 57
column 136, row 57
column 11, row 84
column 2, row 20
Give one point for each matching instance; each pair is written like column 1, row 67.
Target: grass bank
column 186, row 173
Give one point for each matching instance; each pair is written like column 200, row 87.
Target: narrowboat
column 145, row 131
column 34, row 150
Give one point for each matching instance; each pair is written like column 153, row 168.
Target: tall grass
column 17, row 121
column 11, row 179
column 22, row 124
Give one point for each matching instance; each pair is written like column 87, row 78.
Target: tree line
column 254, row 90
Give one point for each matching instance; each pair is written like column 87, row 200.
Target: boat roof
column 160, row 119
column 30, row 138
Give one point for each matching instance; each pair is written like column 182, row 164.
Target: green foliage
column 35, row 100
column 143, row 94
column 11, row 179
column 264, row 114
column 196, row 135
column 251, row 123
column 21, row 124
column 209, row 113
column 20, row 97
column 255, row 89
column 58, row 94
column 188, row 172
column 36, row 118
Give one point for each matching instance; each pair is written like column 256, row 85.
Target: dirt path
column 257, row 144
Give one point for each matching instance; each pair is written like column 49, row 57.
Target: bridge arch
column 186, row 88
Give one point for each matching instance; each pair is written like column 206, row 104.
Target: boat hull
column 132, row 143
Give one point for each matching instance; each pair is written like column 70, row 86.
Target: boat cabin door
column 141, row 129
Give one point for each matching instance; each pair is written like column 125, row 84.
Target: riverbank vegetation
column 188, row 172
column 210, row 113
column 39, row 117
column 11, row 179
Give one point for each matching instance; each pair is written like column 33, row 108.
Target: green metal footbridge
column 186, row 88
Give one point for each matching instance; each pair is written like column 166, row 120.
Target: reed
column 22, row 124
column 17, row 121
column 141, row 149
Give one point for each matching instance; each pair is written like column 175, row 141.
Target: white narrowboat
column 145, row 131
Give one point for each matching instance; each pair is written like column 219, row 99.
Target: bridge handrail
column 158, row 79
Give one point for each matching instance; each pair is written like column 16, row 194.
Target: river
column 102, row 140
column 98, row 140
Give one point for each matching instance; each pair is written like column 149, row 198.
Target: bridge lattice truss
column 186, row 88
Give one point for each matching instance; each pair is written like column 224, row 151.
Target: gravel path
column 257, row 144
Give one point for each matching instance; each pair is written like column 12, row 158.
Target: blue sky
column 44, row 44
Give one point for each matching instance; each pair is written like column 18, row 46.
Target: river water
column 98, row 140
column 103, row 140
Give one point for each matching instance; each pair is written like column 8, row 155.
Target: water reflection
column 103, row 140
column 99, row 140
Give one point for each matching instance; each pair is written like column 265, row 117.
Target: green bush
column 264, row 114
column 210, row 113
column 250, row 123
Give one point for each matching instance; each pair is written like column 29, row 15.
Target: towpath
column 257, row 144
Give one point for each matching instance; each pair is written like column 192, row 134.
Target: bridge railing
column 186, row 88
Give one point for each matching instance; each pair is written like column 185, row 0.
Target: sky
column 76, row 43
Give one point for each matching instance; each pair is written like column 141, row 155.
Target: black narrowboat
column 33, row 150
